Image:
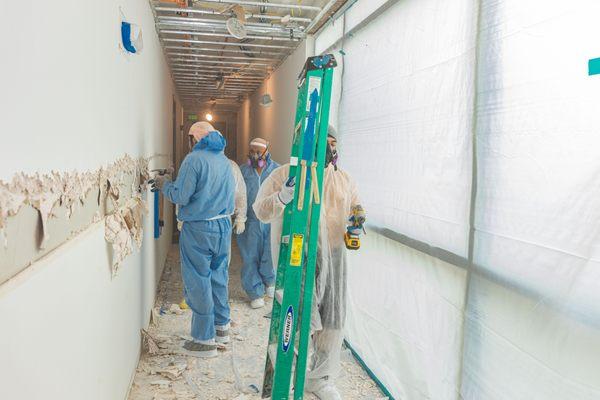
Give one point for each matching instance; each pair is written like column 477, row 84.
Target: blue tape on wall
column 594, row 66
column 126, row 37
column 156, row 215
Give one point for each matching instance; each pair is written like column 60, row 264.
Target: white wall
column 274, row 123
column 70, row 100
column 243, row 130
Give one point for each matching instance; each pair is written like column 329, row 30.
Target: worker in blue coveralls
column 204, row 191
column 258, row 275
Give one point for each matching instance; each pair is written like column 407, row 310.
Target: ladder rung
column 279, row 295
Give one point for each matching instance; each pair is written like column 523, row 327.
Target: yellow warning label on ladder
column 296, row 253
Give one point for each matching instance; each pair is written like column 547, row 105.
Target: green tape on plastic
column 369, row 371
column 594, row 66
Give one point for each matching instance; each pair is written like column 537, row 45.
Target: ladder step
column 279, row 296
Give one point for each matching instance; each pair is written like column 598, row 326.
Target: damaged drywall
column 122, row 228
column 39, row 212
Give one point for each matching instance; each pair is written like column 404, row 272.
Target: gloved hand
column 286, row 194
column 239, row 227
column 158, row 182
column 179, row 225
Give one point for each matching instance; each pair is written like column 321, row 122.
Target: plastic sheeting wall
column 535, row 333
column 477, row 280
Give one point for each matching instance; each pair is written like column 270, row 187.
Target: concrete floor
column 167, row 374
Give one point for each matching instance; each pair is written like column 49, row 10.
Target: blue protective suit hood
column 214, row 141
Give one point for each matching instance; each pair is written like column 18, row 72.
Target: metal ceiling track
column 215, row 22
column 261, row 4
column 228, row 35
column 214, row 73
column 217, row 13
column 214, row 83
column 214, row 77
column 259, row 52
column 234, row 62
column 238, row 44
column 221, row 67
column 208, row 64
column 222, row 57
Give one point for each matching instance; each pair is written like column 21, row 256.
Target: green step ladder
column 290, row 319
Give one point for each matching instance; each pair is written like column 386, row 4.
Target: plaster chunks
column 76, row 188
column 11, row 200
column 117, row 234
column 69, row 189
column 133, row 219
column 122, row 227
column 40, row 191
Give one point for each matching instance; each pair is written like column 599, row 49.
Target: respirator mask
column 256, row 160
column 331, row 156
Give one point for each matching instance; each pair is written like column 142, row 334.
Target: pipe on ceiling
column 213, row 12
column 228, row 35
column 238, row 44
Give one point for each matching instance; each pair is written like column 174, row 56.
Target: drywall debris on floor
column 236, row 374
column 56, row 196
column 149, row 343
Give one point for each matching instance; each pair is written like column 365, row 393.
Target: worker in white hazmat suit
column 241, row 208
column 340, row 196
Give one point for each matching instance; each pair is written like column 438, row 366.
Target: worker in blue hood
column 258, row 275
column 204, row 191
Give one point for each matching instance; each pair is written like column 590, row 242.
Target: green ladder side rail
column 298, row 249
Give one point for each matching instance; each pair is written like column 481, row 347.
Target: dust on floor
column 165, row 373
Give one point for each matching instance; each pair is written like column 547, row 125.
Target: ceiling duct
column 236, row 23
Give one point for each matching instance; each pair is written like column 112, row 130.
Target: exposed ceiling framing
column 209, row 65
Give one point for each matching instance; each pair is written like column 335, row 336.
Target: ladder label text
column 296, row 253
column 287, row 329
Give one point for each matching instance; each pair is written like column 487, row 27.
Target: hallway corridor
column 168, row 374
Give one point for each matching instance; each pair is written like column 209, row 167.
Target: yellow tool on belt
column 352, row 235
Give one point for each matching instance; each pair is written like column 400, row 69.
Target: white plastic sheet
column 412, row 98
column 406, row 116
column 534, row 333
column 408, row 330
